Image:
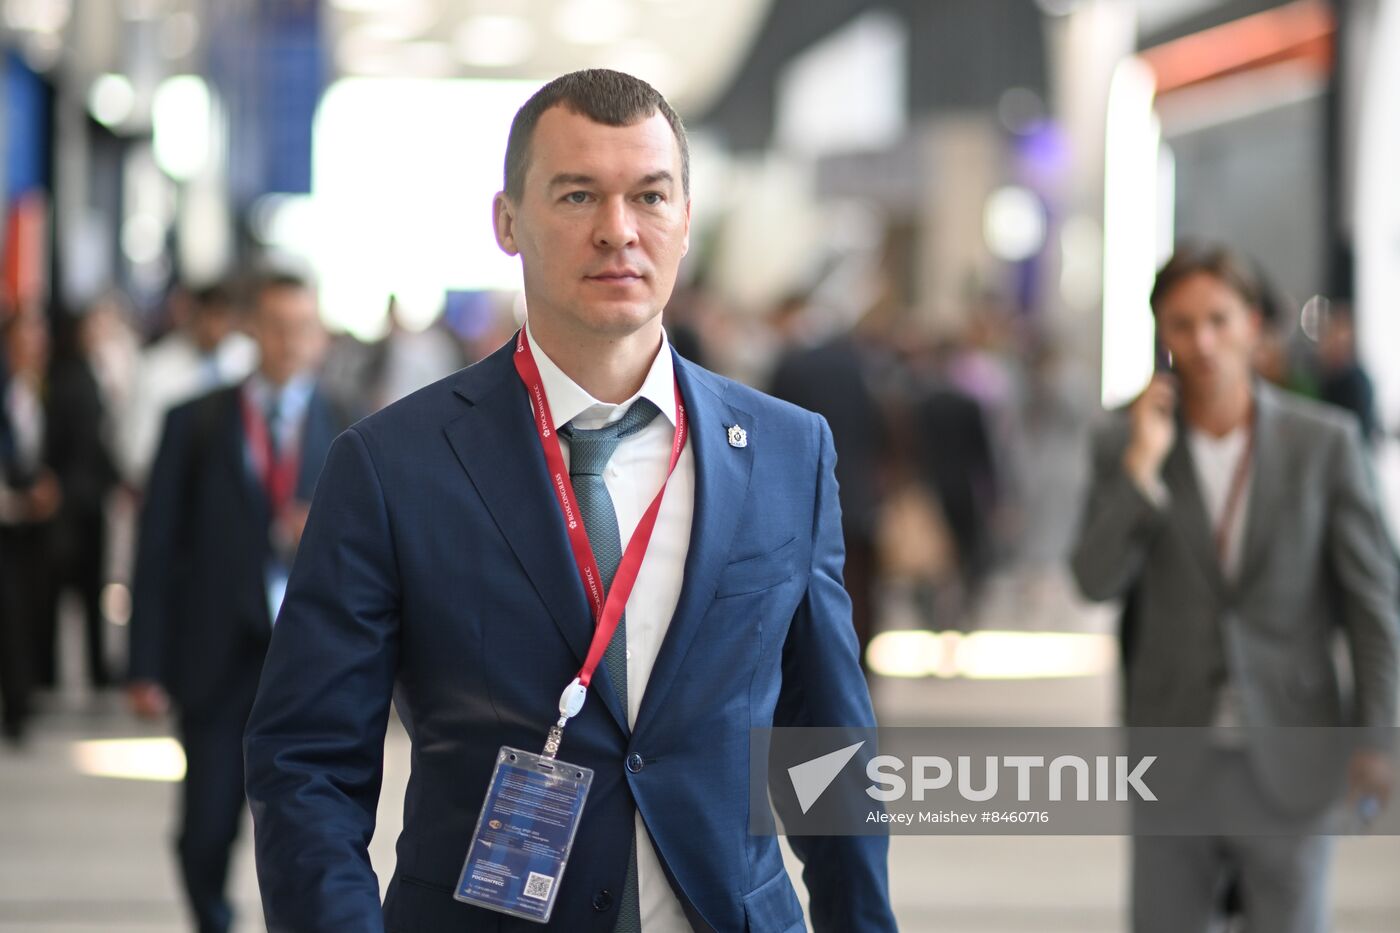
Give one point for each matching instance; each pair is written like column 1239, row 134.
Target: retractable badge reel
column 526, row 828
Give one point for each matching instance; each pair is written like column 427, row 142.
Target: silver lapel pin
column 738, row 437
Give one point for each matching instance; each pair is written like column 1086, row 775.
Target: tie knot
column 590, row 451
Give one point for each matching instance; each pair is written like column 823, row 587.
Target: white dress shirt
column 1216, row 460
column 633, row 476
column 293, row 400
column 25, row 414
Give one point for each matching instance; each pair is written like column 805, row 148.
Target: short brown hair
column 1214, row 260
column 603, row 96
column 273, row 280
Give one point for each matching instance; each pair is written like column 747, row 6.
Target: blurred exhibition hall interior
column 935, row 222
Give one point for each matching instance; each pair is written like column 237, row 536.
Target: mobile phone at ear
column 1162, row 358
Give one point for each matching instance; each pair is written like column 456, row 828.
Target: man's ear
column 685, row 246
column 503, row 217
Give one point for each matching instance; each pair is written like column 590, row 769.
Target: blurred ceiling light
column 645, row 60
column 42, row 50
column 111, row 99
column 1032, row 655
column 1013, row 224
column 1131, row 231
column 494, row 41
column 159, row 759
column 364, row 6
column 1312, row 320
column 180, row 116
column 401, row 21
column 359, row 52
column 138, row 10
column 179, row 33
column 143, row 238
column 389, row 30
column 426, row 135
column 904, row 654
column 47, row 16
column 1020, row 109
column 991, row 655
column 427, row 59
column 284, row 220
column 593, row 22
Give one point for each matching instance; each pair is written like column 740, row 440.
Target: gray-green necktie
column 589, row 453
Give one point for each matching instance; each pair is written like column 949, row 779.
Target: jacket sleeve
column 1117, row 526
column 314, row 747
column 158, row 549
column 1363, row 559
column 823, row 685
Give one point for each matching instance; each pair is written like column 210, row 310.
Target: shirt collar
column 569, row 401
column 295, row 395
column 1223, row 444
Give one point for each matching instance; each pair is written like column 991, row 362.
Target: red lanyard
column 1233, row 499
column 279, row 476
column 607, row 608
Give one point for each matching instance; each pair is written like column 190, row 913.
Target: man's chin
column 619, row 319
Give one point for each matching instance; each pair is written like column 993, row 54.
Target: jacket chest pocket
column 761, row 572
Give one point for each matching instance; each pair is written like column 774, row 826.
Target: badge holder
column 527, row 825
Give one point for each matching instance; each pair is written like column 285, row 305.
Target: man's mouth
column 616, row 276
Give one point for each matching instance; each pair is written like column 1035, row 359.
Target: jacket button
column 602, row 901
column 635, row 763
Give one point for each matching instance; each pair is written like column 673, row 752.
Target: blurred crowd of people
column 960, row 448
column 86, row 397
column 144, row 480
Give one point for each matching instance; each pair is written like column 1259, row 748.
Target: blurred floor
column 81, row 853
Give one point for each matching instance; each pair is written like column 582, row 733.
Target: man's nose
column 615, row 228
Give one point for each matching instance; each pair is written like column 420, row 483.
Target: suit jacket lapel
column 494, row 439
column 721, row 484
column 1188, row 508
column 1266, row 486
column 233, row 438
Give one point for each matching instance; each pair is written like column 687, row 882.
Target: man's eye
column 653, row 198
column 577, row 197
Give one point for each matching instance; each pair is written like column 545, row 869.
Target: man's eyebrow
column 566, row 179
column 651, row 178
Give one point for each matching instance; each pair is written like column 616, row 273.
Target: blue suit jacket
column 435, row 566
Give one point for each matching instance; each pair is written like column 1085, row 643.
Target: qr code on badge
column 538, row 886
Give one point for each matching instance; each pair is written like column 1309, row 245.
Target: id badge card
column 524, row 834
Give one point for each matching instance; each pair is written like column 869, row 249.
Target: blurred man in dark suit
column 830, row 378
column 223, row 516
column 29, row 497
column 82, row 460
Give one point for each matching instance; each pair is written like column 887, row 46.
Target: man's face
column 287, row 327
column 1210, row 331
column 28, row 347
column 601, row 224
column 210, row 324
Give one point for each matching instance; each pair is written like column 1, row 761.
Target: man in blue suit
column 224, row 510
column 438, row 567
